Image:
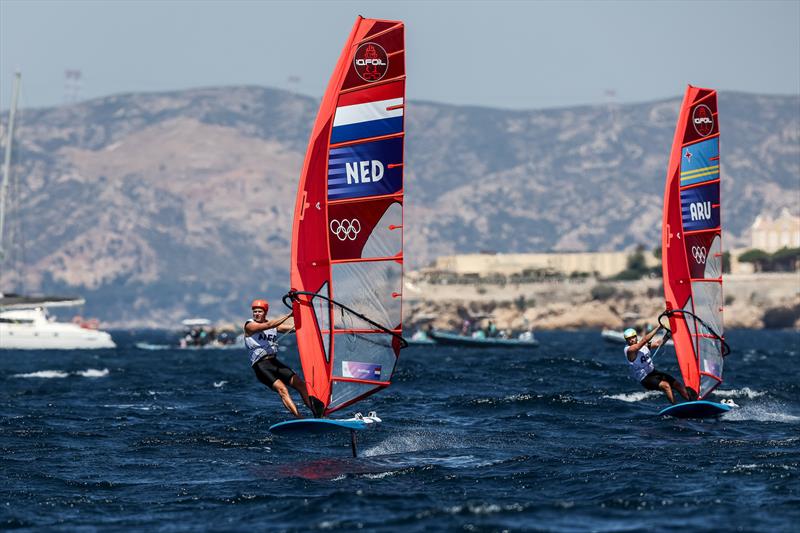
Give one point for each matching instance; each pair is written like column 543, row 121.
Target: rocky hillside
column 158, row 206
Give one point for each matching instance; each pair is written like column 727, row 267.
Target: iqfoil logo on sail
column 703, row 120
column 371, row 62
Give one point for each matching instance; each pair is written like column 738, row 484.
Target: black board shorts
column 269, row 370
column 651, row 380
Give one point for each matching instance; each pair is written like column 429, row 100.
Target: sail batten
column 347, row 241
column 345, row 144
column 692, row 242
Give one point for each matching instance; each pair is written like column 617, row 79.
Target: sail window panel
column 707, row 384
column 345, row 391
column 690, row 321
column 322, row 313
column 710, row 352
column 707, row 305
column 364, row 356
column 369, row 288
column 713, row 268
column 386, row 239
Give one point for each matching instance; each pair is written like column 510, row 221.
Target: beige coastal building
column 767, row 234
column 604, row 263
column 771, row 235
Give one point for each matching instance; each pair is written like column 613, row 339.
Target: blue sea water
column 552, row 439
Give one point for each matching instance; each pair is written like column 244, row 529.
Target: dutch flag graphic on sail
column 370, row 112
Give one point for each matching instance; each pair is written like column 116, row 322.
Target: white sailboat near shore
column 24, row 321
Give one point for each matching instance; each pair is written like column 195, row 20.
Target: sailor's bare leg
column 664, row 386
column 682, row 390
column 300, row 386
column 283, row 392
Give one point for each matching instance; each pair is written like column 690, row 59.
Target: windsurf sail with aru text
column 692, row 243
column 347, row 237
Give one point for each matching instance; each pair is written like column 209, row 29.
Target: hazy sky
column 506, row 54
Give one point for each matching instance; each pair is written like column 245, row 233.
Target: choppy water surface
column 557, row 438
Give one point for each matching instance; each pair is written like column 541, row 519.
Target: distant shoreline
column 568, row 304
column 593, row 304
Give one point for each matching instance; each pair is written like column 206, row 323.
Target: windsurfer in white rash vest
column 637, row 352
column 261, row 341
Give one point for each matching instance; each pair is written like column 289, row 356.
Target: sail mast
column 7, row 160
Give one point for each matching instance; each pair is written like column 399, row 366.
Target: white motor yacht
column 26, row 325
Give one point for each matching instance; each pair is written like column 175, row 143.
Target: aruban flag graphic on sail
column 347, row 237
column 700, row 162
column 692, row 242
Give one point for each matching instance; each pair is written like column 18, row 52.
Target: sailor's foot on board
column 316, row 406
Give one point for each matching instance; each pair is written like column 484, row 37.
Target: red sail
column 692, row 242
column 347, row 238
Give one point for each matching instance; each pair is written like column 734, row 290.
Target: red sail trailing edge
column 347, row 232
column 691, row 241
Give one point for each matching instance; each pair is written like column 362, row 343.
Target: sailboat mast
column 7, row 160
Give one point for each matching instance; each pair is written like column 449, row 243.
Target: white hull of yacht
column 31, row 329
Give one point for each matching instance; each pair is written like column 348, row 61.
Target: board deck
column 315, row 426
column 695, row 409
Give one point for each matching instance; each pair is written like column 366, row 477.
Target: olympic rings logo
column 345, row 229
column 699, row 254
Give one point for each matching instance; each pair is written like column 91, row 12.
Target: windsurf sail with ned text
column 347, row 236
column 692, row 243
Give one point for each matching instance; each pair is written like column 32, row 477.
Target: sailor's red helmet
column 263, row 304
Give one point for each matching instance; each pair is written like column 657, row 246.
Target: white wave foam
column 483, row 508
column 218, row 384
column 508, row 399
column 413, row 442
column 742, row 468
column 49, row 374
column 45, row 374
column 381, row 475
column 762, row 412
column 92, row 373
column 634, row 396
column 136, row 407
column 746, row 392
column 762, row 467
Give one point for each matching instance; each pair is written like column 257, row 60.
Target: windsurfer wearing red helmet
column 261, row 340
